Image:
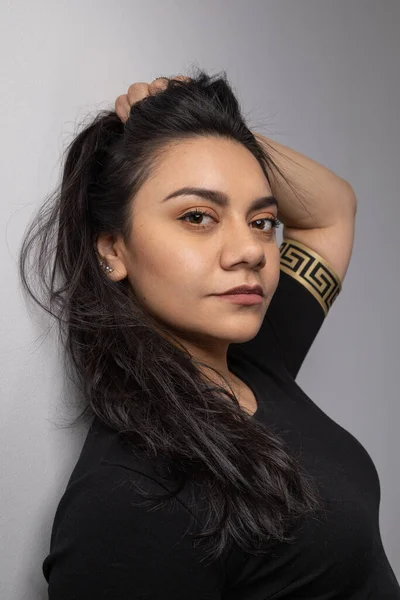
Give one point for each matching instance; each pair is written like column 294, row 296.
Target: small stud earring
column 105, row 267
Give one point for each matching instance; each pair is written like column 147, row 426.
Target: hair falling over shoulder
column 128, row 374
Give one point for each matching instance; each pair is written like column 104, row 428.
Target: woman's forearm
column 319, row 197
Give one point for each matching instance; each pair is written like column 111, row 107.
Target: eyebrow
column 220, row 198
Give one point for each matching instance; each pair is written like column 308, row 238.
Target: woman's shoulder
column 105, row 519
column 109, row 486
column 107, row 453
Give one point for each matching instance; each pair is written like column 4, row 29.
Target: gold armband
column 312, row 271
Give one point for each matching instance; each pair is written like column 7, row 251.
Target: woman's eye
column 273, row 223
column 198, row 215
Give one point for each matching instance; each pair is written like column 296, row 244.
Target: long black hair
column 129, row 374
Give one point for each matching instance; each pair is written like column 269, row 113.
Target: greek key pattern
column 312, row 271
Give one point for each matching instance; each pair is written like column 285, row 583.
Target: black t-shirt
column 105, row 544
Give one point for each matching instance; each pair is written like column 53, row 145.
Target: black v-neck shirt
column 104, row 545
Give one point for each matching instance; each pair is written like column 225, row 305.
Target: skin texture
column 175, row 266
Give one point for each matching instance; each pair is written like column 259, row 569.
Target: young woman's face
column 177, row 264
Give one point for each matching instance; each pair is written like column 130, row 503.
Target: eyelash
column 273, row 220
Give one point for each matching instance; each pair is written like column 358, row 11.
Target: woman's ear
column 111, row 256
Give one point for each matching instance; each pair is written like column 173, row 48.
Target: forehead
column 210, row 162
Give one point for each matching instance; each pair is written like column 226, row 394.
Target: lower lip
column 243, row 298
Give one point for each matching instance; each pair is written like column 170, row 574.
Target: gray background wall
column 323, row 75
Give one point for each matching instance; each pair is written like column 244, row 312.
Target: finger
column 158, row 84
column 137, row 91
column 181, row 78
column 122, row 107
column 161, row 83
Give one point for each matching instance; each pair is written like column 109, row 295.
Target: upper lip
column 244, row 289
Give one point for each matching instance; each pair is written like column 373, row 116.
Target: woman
column 207, row 472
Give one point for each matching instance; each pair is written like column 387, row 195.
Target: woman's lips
column 247, row 299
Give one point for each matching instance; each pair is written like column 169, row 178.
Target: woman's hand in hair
column 138, row 91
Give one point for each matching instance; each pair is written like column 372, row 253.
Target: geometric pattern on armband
column 312, row 271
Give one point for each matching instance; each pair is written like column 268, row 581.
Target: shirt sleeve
column 106, row 544
column 307, row 288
